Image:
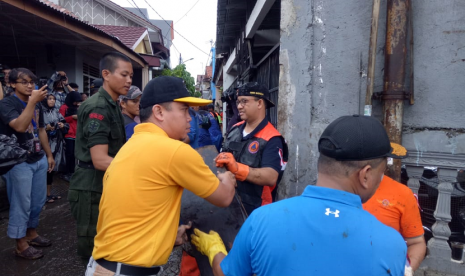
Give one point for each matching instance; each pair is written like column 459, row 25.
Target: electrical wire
column 187, row 12
column 164, row 36
column 175, row 29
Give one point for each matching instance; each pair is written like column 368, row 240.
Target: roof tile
column 128, row 35
column 208, row 71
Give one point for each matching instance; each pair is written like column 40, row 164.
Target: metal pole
column 225, row 118
column 372, row 56
column 412, row 84
column 394, row 74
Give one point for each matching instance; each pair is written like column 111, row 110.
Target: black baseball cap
column 165, row 89
column 97, row 83
column 256, row 90
column 357, row 138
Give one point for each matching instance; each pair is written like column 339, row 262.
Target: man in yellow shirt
column 142, row 187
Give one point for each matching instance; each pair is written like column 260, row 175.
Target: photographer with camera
column 59, row 87
column 5, row 82
column 233, row 117
column 56, row 128
column 22, row 115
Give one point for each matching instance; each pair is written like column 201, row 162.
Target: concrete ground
column 57, row 224
column 424, row 272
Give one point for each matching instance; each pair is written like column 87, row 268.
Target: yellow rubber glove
column 208, row 244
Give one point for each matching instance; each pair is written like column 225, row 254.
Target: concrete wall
column 44, row 60
column 78, row 68
column 59, row 58
column 436, row 122
column 323, row 61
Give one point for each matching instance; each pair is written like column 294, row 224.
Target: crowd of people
column 128, row 155
column 27, row 113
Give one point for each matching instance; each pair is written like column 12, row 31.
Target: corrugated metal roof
column 232, row 16
column 58, row 8
column 70, row 15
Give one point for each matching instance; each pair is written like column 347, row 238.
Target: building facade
column 320, row 70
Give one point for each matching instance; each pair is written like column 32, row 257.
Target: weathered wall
column 323, row 61
column 322, row 46
column 435, row 123
column 295, row 91
column 63, row 58
column 44, row 60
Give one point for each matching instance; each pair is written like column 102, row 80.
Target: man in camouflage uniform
column 100, row 135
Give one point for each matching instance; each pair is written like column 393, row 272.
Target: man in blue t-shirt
column 129, row 104
column 21, row 115
column 325, row 231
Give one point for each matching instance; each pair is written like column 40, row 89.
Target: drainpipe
column 372, row 57
column 394, row 75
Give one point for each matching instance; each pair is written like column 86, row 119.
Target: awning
column 23, row 21
column 152, row 61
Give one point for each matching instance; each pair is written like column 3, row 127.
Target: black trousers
column 70, row 160
column 50, row 177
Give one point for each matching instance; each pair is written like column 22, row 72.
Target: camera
column 229, row 95
column 42, row 81
column 57, row 77
column 52, row 124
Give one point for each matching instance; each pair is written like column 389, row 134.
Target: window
column 90, row 73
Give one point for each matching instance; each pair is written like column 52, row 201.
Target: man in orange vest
column 253, row 150
column 211, row 109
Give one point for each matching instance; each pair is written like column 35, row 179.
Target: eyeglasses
column 244, row 101
column 25, row 83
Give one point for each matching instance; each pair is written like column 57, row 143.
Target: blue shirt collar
column 333, row 195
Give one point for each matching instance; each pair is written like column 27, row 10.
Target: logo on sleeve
column 94, row 126
column 96, row 116
column 385, row 203
column 253, row 147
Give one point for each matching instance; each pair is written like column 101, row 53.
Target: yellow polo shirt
column 141, row 200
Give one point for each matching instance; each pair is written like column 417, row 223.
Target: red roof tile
column 128, row 35
column 151, row 60
column 208, row 71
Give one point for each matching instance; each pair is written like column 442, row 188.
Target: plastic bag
column 10, row 153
